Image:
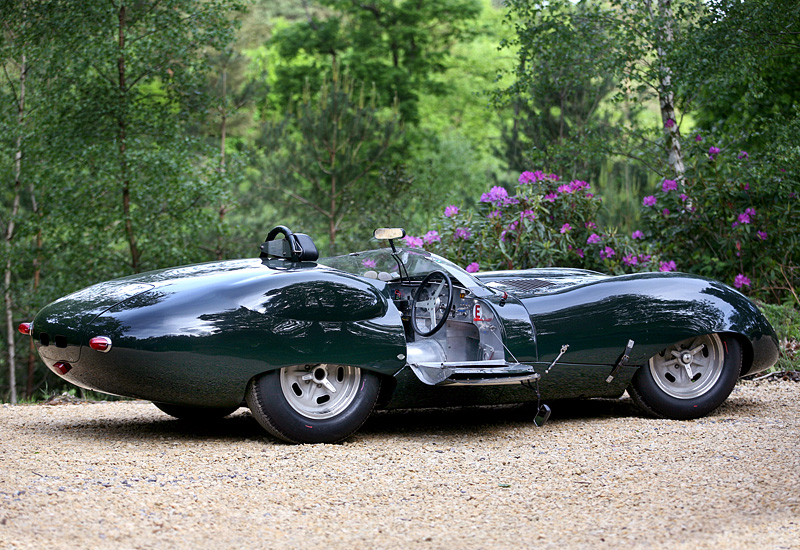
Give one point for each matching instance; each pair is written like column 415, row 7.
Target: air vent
column 525, row 285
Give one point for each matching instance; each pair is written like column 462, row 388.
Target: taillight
column 100, row 343
column 62, row 367
column 25, row 328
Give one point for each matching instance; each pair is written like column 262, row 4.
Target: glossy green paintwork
column 200, row 333
column 196, row 335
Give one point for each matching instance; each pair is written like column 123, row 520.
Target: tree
column 322, row 155
column 398, row 45
column 105, row 171
column 574, row 56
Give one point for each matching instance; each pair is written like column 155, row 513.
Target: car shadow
column 403, row 423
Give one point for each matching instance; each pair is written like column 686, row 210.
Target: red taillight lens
column 25, row 328
column 62, row 367
column 100, row 343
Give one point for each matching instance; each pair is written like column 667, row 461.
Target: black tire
column 296, row 405
column 663, row 387
column 195, row 414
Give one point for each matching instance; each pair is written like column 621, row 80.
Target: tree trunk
column 122, row 136
column 7, row 297
column 664, row 40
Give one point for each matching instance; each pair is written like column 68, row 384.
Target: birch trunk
column 664, row 39
column 9, row 237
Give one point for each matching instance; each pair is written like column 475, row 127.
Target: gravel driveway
column 123, row 475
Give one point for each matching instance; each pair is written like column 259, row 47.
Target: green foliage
column 740, row 65
column 785, row 319
column 545, row 222
column 396, row 45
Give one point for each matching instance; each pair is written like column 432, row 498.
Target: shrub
column 545, row 222
column 733, row 218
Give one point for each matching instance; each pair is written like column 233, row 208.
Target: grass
column 785, row 319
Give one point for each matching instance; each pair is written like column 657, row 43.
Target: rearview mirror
column 389, row 233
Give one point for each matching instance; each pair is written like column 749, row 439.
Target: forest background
column 612, row 135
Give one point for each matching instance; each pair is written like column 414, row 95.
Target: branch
column 306, row 202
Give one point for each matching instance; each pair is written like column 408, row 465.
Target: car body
column 312, row 346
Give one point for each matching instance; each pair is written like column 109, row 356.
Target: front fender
column 654, row 310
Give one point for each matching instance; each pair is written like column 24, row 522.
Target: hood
column 533, row 282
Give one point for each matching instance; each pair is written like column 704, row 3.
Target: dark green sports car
column 312, row 345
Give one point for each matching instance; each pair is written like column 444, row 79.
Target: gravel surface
column 124, row 475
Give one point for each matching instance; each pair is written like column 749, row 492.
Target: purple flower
column 741, row 280
column 565, row 228
column 669, row 123
column 566, row 188
column 713, row 152
column 462, row 233
column 550, row 197
column 413, row 242
column 594, row 238
column 630, row 259
column 744, row 218
column 494, row 214
column 637, row 235
column 451, row 211
column 750, row 211
column 590, row 225
column 698, row 138
column 665, row 212
column 473, row 267
column 533, row 177
column 369, row 263
column 734, row 225
column 527, row 214
column 579, row 252
column 743, row 155
column 513, row 226
column 684, row 197
column 589, row 195
column 431, row 237
column 644, row 258
column 607, row 252
column 496, row 194
column 762, row 235
column 667, row 266
column 669, row 185
column 649, row 200
column 510, row 200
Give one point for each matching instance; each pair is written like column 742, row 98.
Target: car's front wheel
column 688, row 379
column 313, row 403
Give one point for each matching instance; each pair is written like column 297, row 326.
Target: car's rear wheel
column 688, row 379
column 195, row 414
column 313, row 403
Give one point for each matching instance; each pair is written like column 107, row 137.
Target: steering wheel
column 440, row 283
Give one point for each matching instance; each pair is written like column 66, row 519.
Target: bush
column 545, row 222
column 734, row 218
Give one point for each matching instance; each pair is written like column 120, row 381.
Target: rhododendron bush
column 735, row 218
column 544, row 221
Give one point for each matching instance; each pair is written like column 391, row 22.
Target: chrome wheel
column 320, row 391
column 689, row 368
